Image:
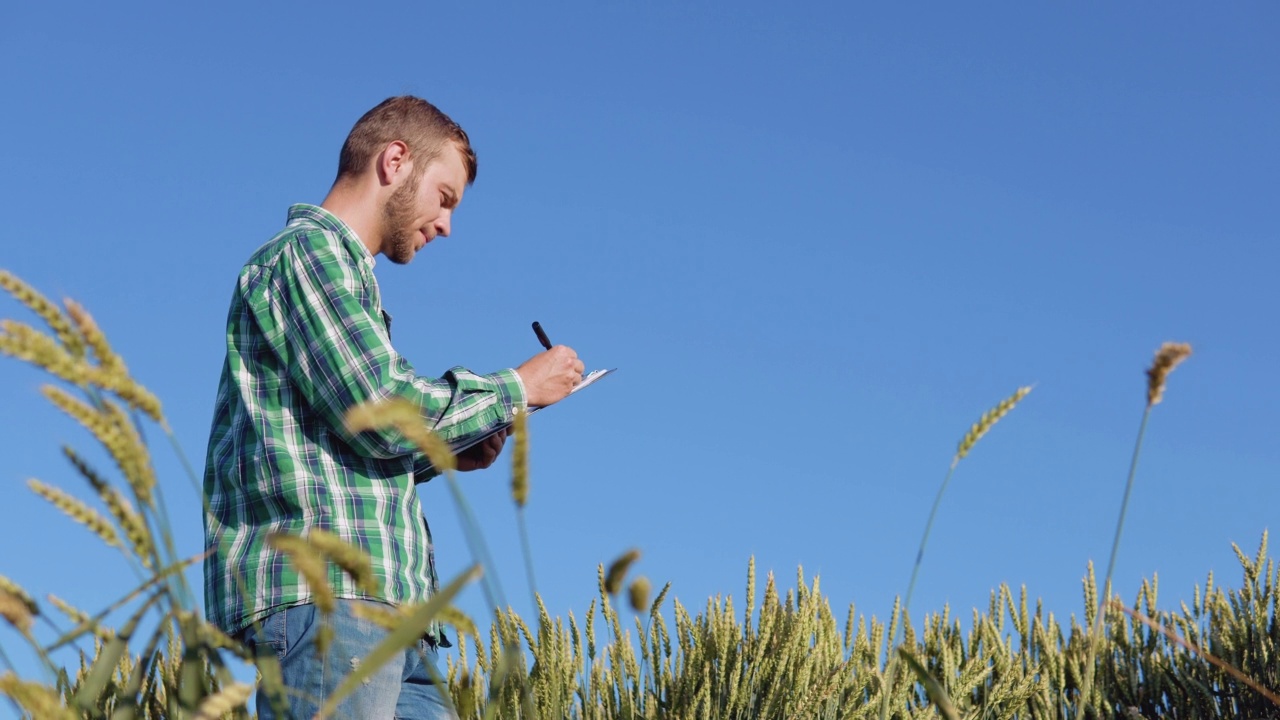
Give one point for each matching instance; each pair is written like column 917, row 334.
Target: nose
column 443, row 222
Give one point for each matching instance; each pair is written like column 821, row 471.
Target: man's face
column 421, row 208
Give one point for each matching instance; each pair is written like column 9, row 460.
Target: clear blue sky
column 817, row 240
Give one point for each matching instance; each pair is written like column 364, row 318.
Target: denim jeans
column 403, row 689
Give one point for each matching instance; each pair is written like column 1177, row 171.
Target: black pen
column 542, row 335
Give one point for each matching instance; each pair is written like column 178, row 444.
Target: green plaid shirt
column 307, row 338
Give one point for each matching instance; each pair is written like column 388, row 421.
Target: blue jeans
column 403, row 689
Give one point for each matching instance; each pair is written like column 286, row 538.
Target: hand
column 482, row 455
column 549, row 376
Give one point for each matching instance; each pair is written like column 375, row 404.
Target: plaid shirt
column 306, row 339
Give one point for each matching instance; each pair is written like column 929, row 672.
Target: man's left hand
column 479, row 457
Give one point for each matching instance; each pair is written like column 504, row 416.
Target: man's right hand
column 549, row 376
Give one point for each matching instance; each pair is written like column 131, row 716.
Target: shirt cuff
column 511, row 393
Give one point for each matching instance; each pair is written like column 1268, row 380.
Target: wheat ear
column 24, row 342
column 107, row 359
column 520, row 459
column 78, row 511
column 47, row 311
column 612, row 581
column 1167, row 358
column 134, row 527
column 987, row 421
column 402, row 415
column 310, row 566
column 639, row 594
column 350, row 558
column 223, row 702
column 41, row 701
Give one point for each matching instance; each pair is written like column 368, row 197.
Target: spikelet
column 310, row 565
column 520, row 459
column 78, row 511
column 223, row 702
column 618, row 571
column 1167, row 358
column 402, row 415
column 41, row 701
column 988, row 419
column 49, row 312
column 639, row 593
column 134, row 527
column 350, row 558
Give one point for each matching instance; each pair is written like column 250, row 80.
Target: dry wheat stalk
column 1167, row 358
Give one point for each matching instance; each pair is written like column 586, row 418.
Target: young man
column 307, row 338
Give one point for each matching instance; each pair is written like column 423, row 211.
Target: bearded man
column 307, row 338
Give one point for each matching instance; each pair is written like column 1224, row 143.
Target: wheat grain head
column 618, row 570
column 520, row 459
column 1167, row 358
column 985, row 423
column 310, row 566
column 41, row 305
column 78, row 511
column 402, row 415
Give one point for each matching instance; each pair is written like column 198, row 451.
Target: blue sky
column 817, row 240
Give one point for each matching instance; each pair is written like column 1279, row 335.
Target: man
column 307, row 338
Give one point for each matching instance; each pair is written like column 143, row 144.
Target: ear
column 394, row 162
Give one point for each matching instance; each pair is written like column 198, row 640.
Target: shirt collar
column 314, row 214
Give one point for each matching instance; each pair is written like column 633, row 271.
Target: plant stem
column 891, row 665
column 1099, row 619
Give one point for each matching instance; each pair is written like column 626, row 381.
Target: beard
column 398, row 238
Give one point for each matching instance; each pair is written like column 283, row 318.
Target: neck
column 359, row 209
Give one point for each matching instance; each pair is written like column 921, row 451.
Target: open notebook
column 463, row 443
